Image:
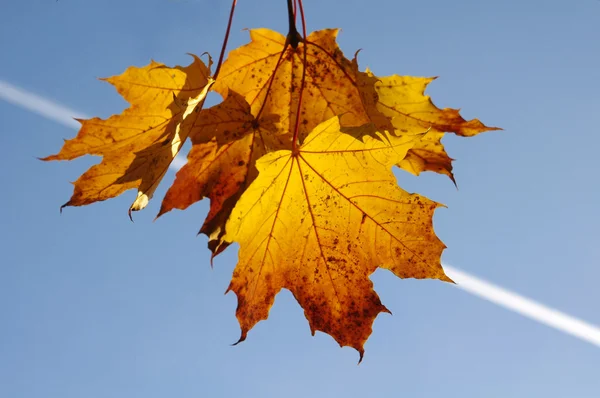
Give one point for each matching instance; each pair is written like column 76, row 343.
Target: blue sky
column 93, row 305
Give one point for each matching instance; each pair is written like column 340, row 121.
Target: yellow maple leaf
column 318, row 221
column 138, row 145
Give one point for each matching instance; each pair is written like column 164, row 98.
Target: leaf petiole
column 303, row 80
column 224, row 47
column 293, row 37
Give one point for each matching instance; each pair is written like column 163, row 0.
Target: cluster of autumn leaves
column 316, row 215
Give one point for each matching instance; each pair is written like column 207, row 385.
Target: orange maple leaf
column 138, row 145
column 296, row 162
column 227, row 140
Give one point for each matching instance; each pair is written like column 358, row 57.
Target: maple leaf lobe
column 138, row 145
column 402, row 100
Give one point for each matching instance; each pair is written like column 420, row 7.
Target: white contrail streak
column 524, row 306
column 40, row 105
column 471, row 284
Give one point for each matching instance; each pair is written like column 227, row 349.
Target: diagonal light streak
column 525, row 306
column 488, row 291
column 40, row 105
